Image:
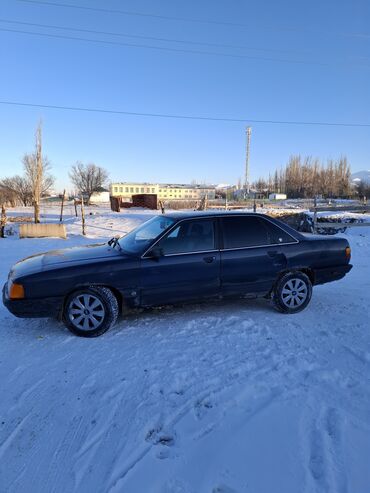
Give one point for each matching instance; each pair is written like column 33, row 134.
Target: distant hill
column 361, row 176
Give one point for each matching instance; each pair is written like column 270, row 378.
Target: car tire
column 90, row 311
column 292, row 292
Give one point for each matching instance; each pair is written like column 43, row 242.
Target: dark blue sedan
column 172, row 258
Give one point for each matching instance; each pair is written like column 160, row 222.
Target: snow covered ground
column 219, row 398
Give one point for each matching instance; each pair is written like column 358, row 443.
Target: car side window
column 239, row 232
column 189, row 236
column 276, row 235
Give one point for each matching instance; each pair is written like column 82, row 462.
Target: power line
column 182, row 50
column 185, row 117
column 163, row 48
column 136, row 14
column 185, row 19
column 153, row 38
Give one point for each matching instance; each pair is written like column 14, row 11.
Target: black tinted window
column 276, row 234
column 190, row 236
column 241, row 232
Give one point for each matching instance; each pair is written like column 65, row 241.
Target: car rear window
column 276, row 234
column 250, row 231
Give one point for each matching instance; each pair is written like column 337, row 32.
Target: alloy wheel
column 294, row 293
column 86, row 312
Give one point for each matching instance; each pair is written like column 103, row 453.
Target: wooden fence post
column 315, row 215
column 2, row 222
column 83, row 216
column 75, row 204
column 62, row 206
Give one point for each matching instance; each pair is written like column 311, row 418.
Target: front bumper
column 329, row 274
column 32, row 308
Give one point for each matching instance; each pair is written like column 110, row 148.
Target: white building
column 163, row 191
column 277, row 196
column 100, row 197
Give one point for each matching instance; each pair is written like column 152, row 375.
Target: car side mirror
column 156, row 253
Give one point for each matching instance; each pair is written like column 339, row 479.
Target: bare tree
column 35, row 183
column 88, row 178
column 16, row 189
column 261, row 185
column 30, row 165
column 363, row 190
column 35, row 167
column 7, row 196
column 307, row 177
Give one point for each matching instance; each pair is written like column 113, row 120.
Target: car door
column 250, row 261
column 188, row 267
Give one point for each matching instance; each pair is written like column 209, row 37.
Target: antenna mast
column 249, row 131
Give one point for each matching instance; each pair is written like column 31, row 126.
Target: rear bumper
column 329, row 274
column 32, row 308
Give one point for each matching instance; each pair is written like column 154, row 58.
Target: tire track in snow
column 7, row 443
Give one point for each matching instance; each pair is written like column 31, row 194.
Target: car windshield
column 140, row 238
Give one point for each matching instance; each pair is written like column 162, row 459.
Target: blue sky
column 330, row 39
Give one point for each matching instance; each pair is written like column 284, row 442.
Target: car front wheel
column 91, row 311
column 292, row 292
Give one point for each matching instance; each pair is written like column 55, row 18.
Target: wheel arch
column 305, row 270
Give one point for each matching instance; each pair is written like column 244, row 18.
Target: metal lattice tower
column 249, row 131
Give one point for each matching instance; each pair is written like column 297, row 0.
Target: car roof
column 236, row 212
column 214, row 213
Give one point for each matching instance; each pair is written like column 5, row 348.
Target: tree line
column 309, row 177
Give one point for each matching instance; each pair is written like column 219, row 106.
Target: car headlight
column 15, row 291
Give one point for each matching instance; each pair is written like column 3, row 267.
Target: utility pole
column 249, row 131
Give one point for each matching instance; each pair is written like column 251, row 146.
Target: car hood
column 63, row 257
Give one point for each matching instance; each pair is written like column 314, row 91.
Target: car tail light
column 16, row 291
column 348, row 252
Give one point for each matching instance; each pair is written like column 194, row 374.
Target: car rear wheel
column 91, row 311
column 292, row 292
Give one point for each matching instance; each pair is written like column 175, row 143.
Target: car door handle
column 209, row 260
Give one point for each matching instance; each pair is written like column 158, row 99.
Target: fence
column 338, row 225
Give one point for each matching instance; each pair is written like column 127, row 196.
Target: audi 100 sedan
column 175, row 258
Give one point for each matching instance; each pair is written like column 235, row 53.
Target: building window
column 153, row 190
column 116, row 189
column 137, row 190
column 121, row 189
column 132, row 189
column 142, row 190
column 147, row 190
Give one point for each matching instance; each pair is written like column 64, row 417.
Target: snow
column 224, row 397
column 361, row 176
